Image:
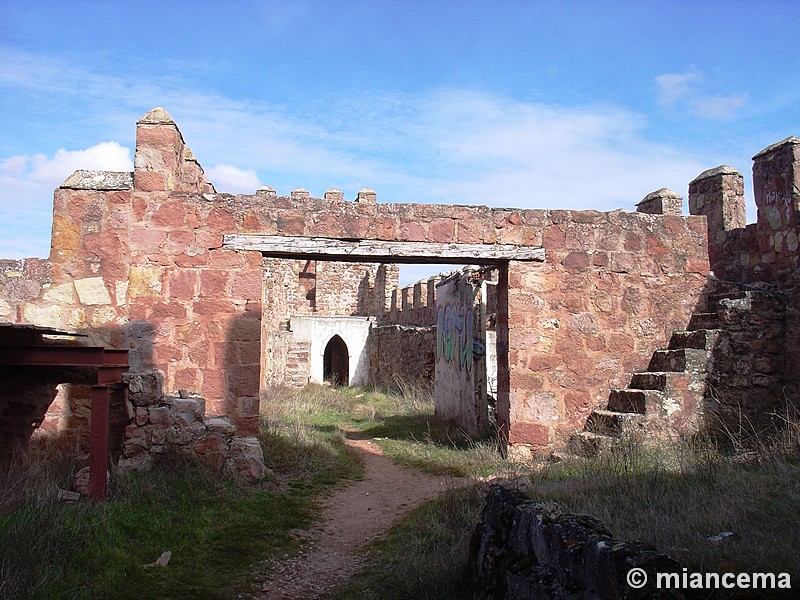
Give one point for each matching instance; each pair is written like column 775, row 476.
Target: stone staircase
column 664, row 400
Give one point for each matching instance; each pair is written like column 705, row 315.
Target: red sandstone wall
column 145, row 267
column 612, row 289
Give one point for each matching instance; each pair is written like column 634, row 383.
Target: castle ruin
column 216, row 296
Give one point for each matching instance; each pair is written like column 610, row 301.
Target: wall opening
column 336, row 362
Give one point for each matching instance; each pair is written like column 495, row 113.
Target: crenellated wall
column 138, row 263
column 764, row 255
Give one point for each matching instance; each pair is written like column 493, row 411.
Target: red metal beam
column 63, row 356
column 110, row 364
column 110, row 375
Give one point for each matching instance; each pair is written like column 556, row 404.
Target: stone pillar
column 661, row 202
column 334, row 195
column 367, row 195
column 776, row 186
column 299, row 194
column 719, row 195
column 266, row 190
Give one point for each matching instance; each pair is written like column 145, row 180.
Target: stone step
column 588, row 443
column 714, row 300
column 681, row 359
column 650, row 380
column 703, row 321
column 612, row 422
column 635, row 401
column 700, row 339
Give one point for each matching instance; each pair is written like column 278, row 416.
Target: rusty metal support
column 110, row 365
column 98, row 442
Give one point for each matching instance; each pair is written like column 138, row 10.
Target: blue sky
column 522, row 104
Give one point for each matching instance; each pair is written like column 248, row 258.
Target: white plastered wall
column 319, row 330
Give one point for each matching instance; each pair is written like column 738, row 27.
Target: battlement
column 138, row 262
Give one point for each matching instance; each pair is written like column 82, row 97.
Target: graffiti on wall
column 454, row 332
column 774, row 197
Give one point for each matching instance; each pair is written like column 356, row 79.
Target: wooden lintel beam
column 380, row 250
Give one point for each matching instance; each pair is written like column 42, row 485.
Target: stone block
column 149, row 181
column 196, row 406
column 161, row 415
column 62, row 294
column 246, row 458
column 170, row 214
column 214, row 283
column 221, row 219
column 222, row 425
column 144, row 282
column 183, row 284
column 247, row 285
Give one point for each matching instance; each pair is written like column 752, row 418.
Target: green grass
column 402, row 423
column 672, row 496
column 212, row 525
column 220, row 530
column 424, row 556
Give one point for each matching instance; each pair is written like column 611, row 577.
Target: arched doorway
column 336, row 362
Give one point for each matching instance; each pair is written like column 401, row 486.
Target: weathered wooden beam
column 379, row 250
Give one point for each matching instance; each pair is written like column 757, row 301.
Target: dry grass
column 675, row 496
column 422, row 557
column 29, row 494
column 401, row 422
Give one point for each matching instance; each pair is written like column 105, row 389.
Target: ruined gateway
column 599, row 322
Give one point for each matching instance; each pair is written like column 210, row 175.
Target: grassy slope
column 217, row 528
column 673, row 498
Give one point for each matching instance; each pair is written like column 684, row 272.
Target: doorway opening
column 336, row 362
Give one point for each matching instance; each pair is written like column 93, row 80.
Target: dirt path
column 351, row 517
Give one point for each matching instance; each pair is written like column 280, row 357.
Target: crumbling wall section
column 747, row 368
column 765, row 254
column 525, row 549
column 159, row 423
column 401, row 353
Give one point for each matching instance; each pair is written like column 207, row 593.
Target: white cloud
column 448, row 145
column 717, row 107
column 673, row 87
column 684, row 90
column 232, row 180
column 106, row 156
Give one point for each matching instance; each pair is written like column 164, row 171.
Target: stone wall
column 747, row 368
column 524, row 549
column 763, row 253
column 139, row 263
column 21, row 281
column 404, row 352
column 612, row 289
